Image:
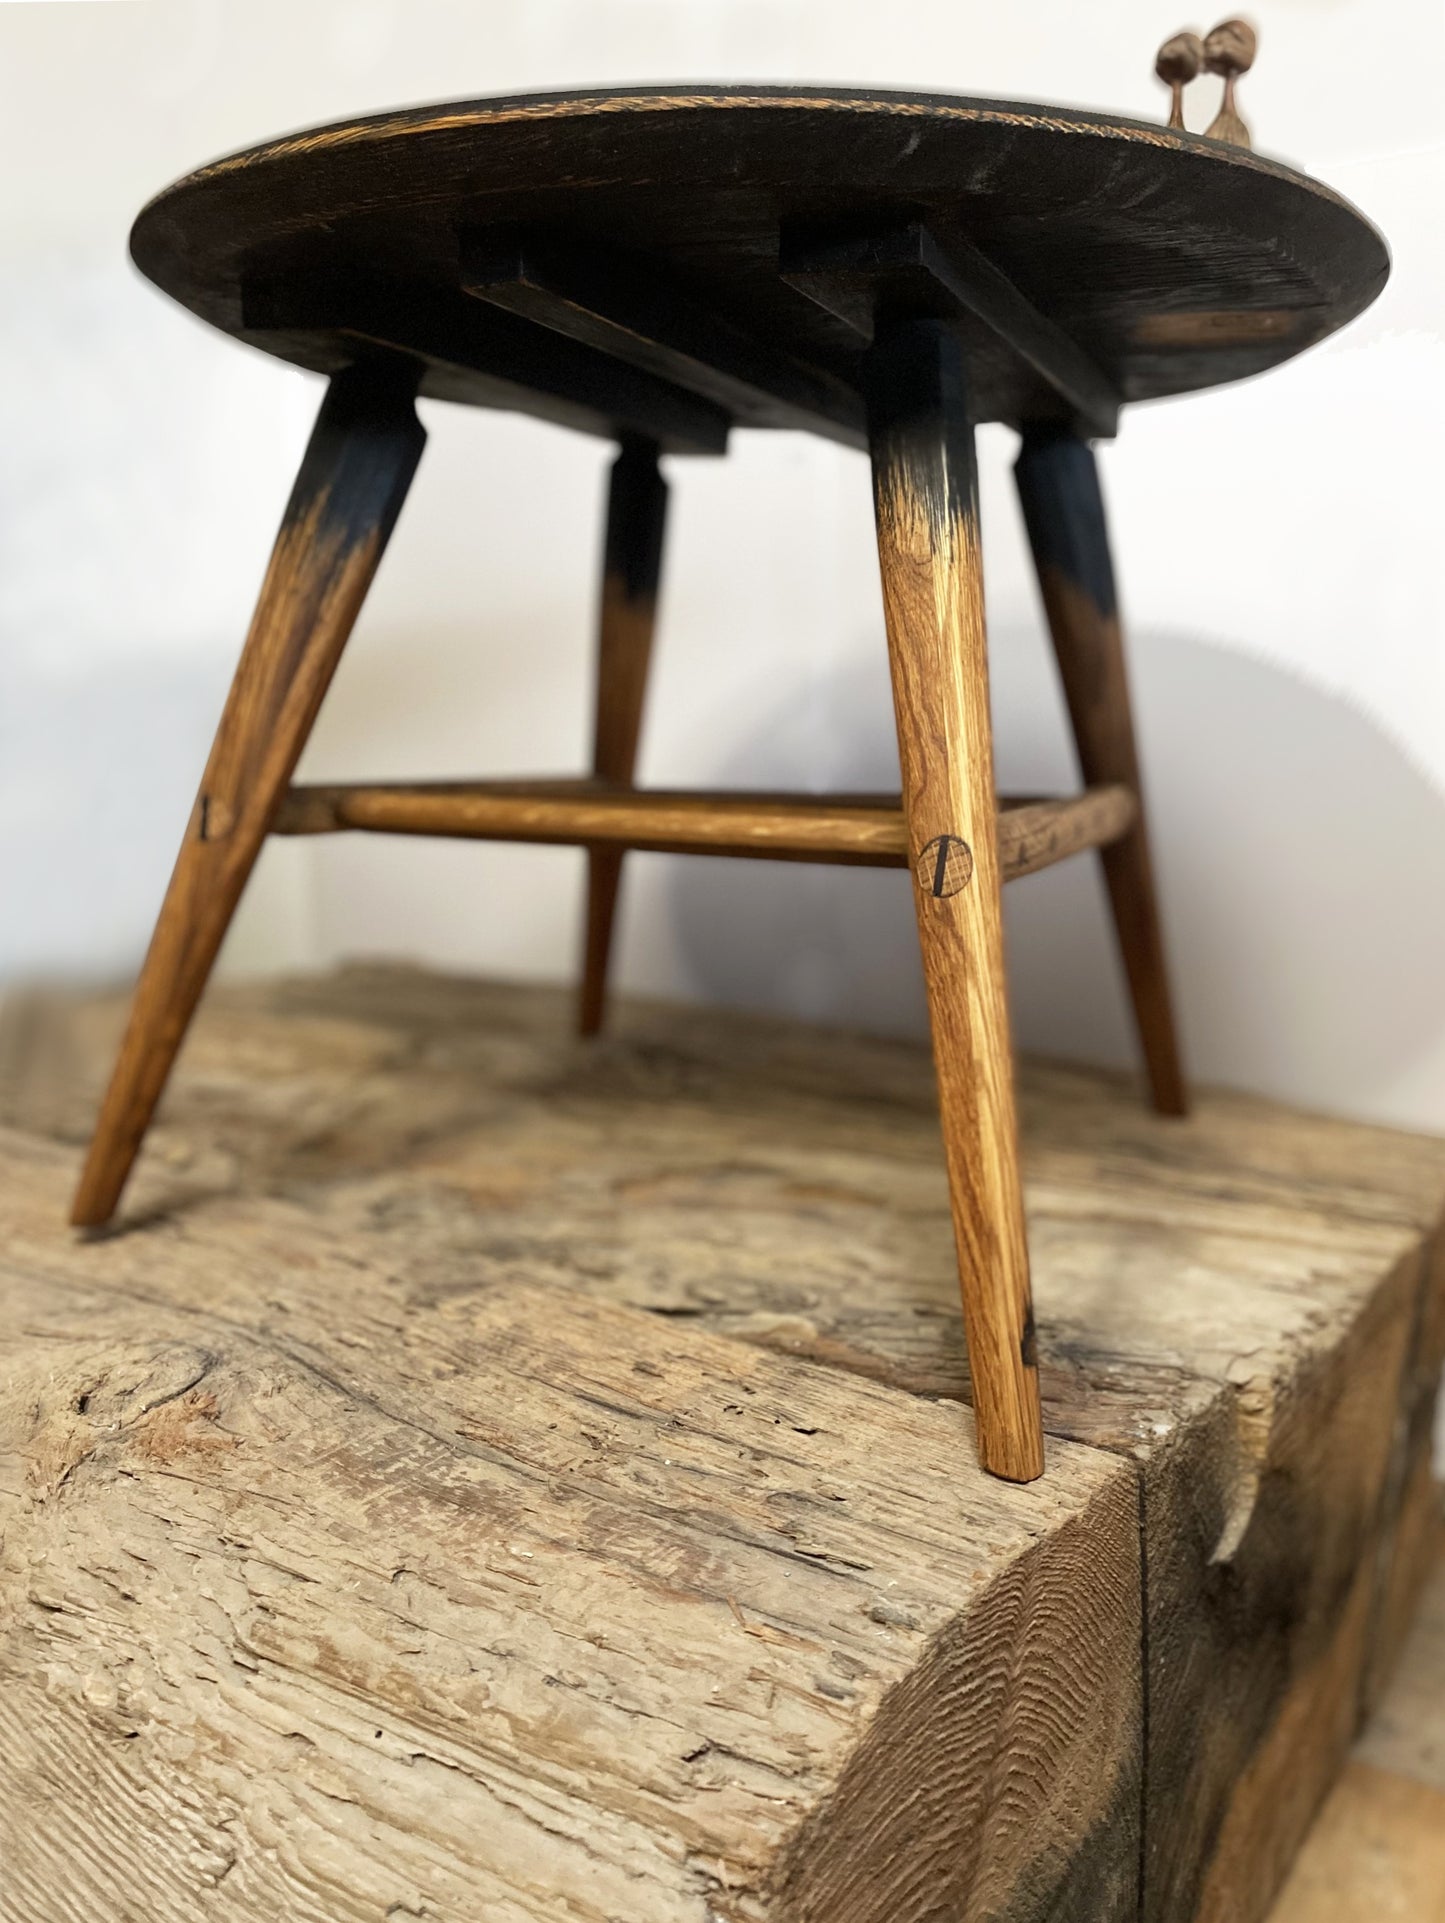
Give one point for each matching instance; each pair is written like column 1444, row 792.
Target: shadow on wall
column 1301, row 859
column 1302, row 864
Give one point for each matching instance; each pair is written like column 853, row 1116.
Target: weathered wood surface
column 523, row 1605
column 1377, row 1848
column 394, row 1226
column 1379, row 1851
column 1406, row 1732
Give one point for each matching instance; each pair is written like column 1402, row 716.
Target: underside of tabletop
column 673, row 262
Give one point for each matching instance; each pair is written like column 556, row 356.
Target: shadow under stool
column 656, row 267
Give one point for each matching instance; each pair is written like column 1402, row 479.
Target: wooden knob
column 1230, row 47
column 1176, row 64
column 1229, row 50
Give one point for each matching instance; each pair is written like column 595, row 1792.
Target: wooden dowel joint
column 869, row 280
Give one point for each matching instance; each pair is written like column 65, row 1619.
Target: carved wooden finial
column 1230, row 50
column 1176, row 63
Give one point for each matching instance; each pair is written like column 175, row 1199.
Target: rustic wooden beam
column 637, row 312
column 606, row 1615
column 905, row 269
column 859, row 830
column 356, row 1426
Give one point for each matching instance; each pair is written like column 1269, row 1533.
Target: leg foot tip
column 1015, row 1472
column 1013, row 1458
column 90, row 1214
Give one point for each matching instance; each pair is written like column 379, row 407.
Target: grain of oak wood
column 354, row 1168
column 1058, row 484
column 353, row 481
column 925, row 494
column 867, row 830
column 631, row 572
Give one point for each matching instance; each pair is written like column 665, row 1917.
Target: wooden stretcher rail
column 863, row 830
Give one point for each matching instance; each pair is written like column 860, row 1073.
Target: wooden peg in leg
column 631, row 569
column 358, row 466
column 926, row 502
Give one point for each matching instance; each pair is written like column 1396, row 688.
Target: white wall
column 1277, row 545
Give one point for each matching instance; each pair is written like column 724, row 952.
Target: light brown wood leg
column 353, row 480
column 926, row 500
column 1058, row 483
column 632, row 566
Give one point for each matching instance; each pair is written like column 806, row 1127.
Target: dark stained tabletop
column 1173, row 262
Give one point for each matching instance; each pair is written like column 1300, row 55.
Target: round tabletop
column 1171, row 261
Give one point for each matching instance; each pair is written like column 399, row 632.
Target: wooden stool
column 657, row 267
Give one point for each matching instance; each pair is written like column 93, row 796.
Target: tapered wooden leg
column 926, row 500
column 353, row 480
column 1058, row 483
column 631, row 568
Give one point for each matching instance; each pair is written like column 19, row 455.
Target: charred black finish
column 916, row 387
column 636, row 522
column 631, row 572
column 631, row 308
column 1153, row 252
column 902, row 272
column 363, row 451
column 466, row 351
column 1063, row 509
column 1063, row 506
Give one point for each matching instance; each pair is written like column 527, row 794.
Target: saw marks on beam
column 399, row 1197
column 522, row 1605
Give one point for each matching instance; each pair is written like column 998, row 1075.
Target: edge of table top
column 315, row 212
column 398, row 122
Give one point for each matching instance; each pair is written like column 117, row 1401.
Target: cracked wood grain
column 1244, row 1310
column 534, row 1608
